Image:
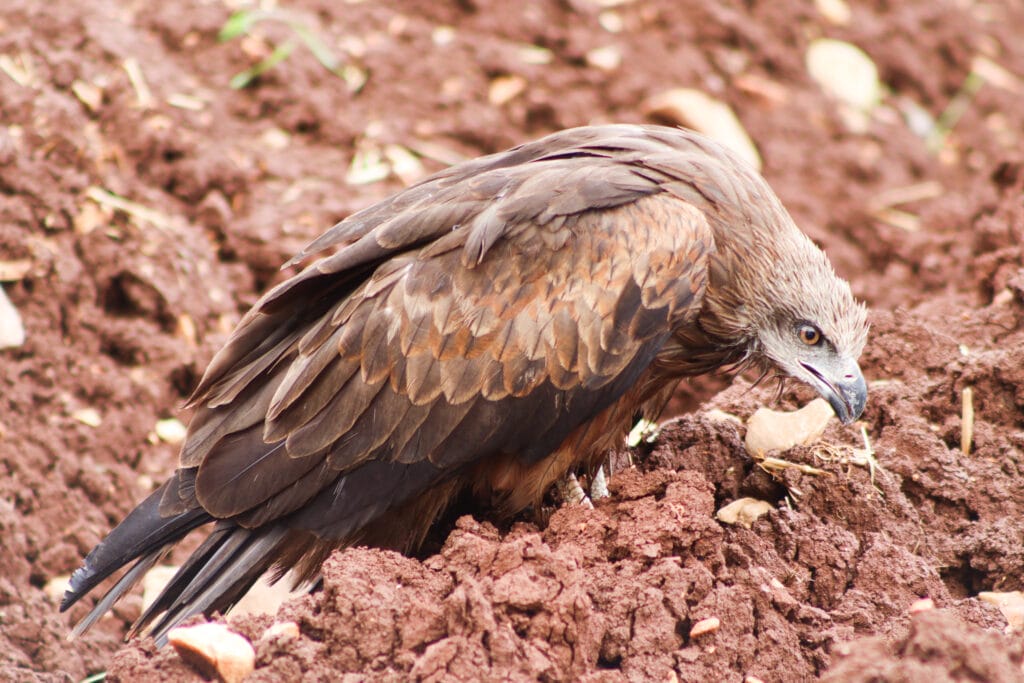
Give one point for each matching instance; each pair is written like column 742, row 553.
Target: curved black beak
column 846, row 391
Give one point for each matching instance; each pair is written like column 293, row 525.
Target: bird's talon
column 599, row 486
column 573, row 493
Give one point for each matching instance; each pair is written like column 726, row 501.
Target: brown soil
column 124, row 308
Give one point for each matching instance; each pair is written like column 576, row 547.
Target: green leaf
column 238, row 24
column 280, row 53
column 322, row 53
column 95, row 678
column 957, row 107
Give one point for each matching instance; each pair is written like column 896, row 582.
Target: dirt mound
column 614, row 593
column 936, row 647
column 144, row 205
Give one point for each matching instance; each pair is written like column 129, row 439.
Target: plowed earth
column 125, row 303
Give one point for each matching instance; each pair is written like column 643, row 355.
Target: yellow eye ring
column 809, row 334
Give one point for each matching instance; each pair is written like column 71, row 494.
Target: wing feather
column 335, row 419
column 478, row 314
column 304, row 403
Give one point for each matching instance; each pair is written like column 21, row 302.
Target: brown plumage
column 489, row 329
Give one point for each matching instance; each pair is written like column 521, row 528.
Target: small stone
column 704, row 626
column 922, row 605
column 1003, row 298
column 91, row 217
column 404, row 163
column 275, row 138
column 534, row 55
column 368, row 165
column 836, row 12
column 996, row 74
column 1011, row 604
column 608, row 58
column 611, row 21
column 20, row 69
column 771, row 430
column 214, row 650
column 743, row 511
column 443, row 35
column 57, row 586
column 504, row 89
column 170, row 431
column 355, row 77
column 186, row 329
column 12, row 330
column 771, row 91
column 181, row 100
column 845, row 72
column 288, row 630
column 12, row 271
column 88, row 94
column 88, row 416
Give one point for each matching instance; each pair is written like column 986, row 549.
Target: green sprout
column 242, row 22
column 957, row 107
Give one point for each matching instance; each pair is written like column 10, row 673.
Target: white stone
column 835, row 11
column 1010, row 603
column 214, row 648
column 845, row 72
column 771, row 430
column 743, row 511
column 12, row 331
column 170, row 431
column 608, row 58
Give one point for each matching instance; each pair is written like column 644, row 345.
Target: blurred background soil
column 145, row 204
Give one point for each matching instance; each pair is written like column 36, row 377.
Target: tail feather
column 216, row 576
column 143, row 534
column 230, row 541
column 124, row 584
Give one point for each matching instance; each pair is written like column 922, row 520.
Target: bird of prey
column 488, row 330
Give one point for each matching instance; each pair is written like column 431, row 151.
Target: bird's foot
column 573, row 494
column 599, row 486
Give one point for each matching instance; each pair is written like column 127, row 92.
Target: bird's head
column 772, row 298
column 825, row 359
column 811, row 328
column 780, row 303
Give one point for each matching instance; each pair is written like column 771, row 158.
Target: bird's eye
column 809, row 334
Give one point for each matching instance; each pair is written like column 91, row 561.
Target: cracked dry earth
column 144, row 205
